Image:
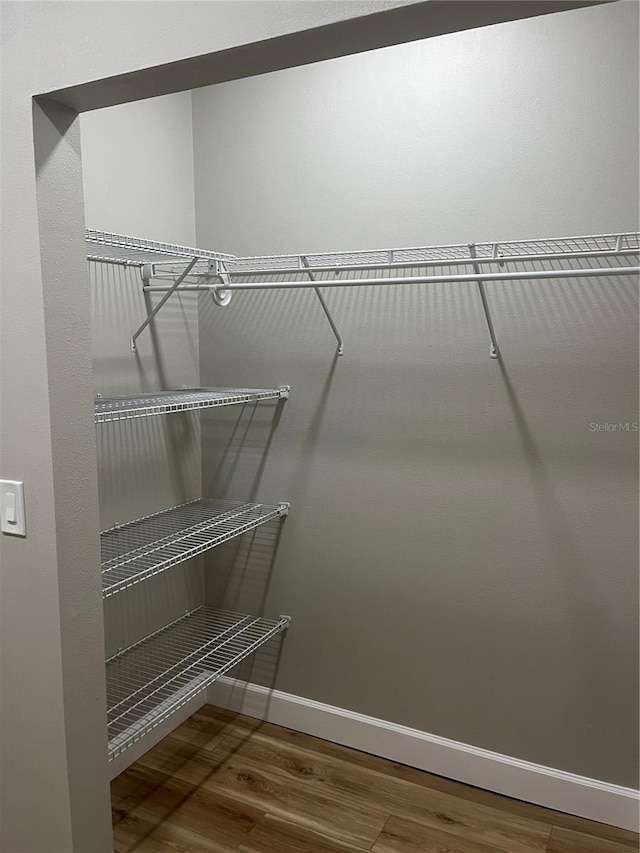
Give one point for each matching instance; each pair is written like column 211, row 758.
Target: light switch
column 12, row 513
column 10, row 505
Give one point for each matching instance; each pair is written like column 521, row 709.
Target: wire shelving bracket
column 494, row 351
column 304, row 263
column 162, row 261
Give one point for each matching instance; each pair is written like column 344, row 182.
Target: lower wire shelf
column 152, row 679
column 121, row 408
column 139, row 549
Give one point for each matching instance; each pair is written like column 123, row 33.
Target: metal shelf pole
column 531, row 275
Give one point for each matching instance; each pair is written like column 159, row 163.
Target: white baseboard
column 522, row 780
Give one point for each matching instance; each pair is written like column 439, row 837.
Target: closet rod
column 423, row 279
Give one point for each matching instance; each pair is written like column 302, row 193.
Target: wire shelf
column 179, row 269
column 557, row 257
column 170, row 259
column 151, row 680
column 361, row 263
column 139, row 549
column 135, row 251
column 108, row 409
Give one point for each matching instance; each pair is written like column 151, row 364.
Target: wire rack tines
column 120, row 408
column 135, row 551
column 155, row 677
column 110, row 248
column 416, row 261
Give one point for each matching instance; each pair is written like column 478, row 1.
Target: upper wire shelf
column 345, row 268
column 108, row 409
column 362, row 262
column 582, row 257
column 107, row 247
column 137, row 550
column 152, row 679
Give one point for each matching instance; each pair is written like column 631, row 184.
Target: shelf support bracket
column 325, row 307
column 494, row 351
column 219, row 295
column 171, row 290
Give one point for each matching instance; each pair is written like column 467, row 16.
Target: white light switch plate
column 12, row 507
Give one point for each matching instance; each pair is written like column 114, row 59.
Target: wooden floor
column 223, row 782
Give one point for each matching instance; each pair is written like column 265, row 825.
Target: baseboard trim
column 522, row 780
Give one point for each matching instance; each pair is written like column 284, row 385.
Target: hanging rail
column 298, row 284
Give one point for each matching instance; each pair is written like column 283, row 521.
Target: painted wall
column 137, row 167
column 461, row 555
column 54, row 751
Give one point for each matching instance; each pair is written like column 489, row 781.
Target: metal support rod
column 531, row 275
column 171, row 290
column 494, row 352
column 324, row 307
column 444, row 262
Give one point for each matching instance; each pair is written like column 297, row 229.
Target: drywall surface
column 137, row 167
column 461, row 554
column 50, row 609
column 495, row 133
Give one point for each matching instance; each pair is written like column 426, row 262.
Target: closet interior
column 153, row 678
column 427, row 476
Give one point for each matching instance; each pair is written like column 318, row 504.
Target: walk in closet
column 150, row 681
column 150, row 678
column 339, row 375
column 413, row 442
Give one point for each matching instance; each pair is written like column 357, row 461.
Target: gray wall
column 461, row 555
column 137, row 167
column 137, row 170
column 53, row 743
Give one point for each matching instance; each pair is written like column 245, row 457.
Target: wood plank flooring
column 224, row 783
